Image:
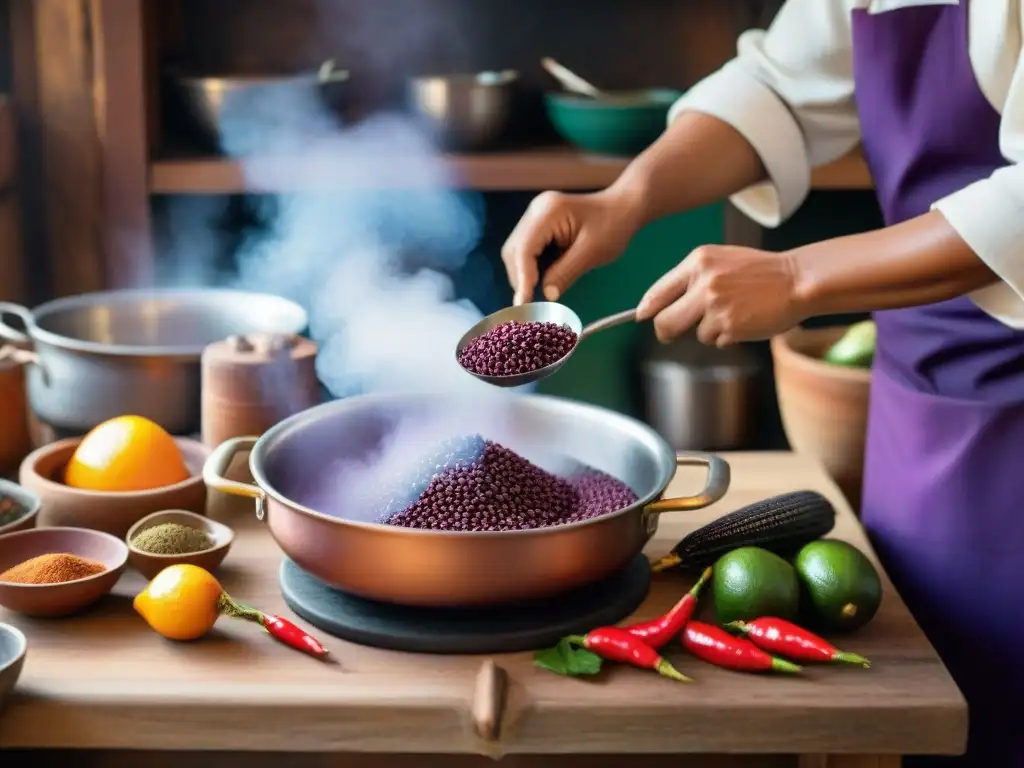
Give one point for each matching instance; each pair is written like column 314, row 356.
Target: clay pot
column 65, row 598
column 114, row 513
column 15, row 440
column 250, row 383
column 150, row 564
column 824, row 407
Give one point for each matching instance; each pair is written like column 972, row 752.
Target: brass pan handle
column 714, row 489
column 216, row 466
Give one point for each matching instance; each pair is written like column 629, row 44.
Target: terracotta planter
column 824, row 407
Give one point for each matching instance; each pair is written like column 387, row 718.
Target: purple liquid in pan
column 515, row 348
column 472, row 484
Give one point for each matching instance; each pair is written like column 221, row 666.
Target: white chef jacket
column 790, row 92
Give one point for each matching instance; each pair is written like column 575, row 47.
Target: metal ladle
column 539, row 312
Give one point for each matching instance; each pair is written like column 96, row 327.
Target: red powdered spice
column 52, row 569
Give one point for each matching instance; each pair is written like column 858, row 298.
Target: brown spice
column 52, row 569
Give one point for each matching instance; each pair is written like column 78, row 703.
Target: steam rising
column 371, row 266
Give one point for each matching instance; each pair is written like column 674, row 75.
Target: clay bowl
column 68, row 597
column 42, row 471
column 25, row 498
column 824, row 407
column 149, row 565
column 13, row 646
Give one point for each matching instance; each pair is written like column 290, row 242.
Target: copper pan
column 305, row 466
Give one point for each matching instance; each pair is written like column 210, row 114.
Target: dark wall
column 642, row 43
column 5, row 49
column 619, row 44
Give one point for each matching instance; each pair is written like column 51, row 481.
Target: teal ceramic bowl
column 619, row 124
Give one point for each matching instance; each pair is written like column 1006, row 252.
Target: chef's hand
column 591, row 230
column 736, row 294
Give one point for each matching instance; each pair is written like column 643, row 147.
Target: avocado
column 841, row 587
column 751, row 582
column 856, row 348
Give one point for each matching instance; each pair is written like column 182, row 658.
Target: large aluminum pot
column 305, row 466
column 100, row 355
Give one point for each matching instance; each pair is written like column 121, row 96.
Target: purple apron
column 944, row 470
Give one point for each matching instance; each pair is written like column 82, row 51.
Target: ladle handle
column 569, row 80
column 629, row 316
column 329, row 73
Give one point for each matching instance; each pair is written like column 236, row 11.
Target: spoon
column 539, row 312
column 569, row 80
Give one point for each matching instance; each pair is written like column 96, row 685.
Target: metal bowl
column 27, row 499
column 13, row 647
column 464, row 112
column 306, row 468
column 243, row 114
column 100, row 355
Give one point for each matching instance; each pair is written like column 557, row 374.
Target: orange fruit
column 181, row 603
column 129, row 453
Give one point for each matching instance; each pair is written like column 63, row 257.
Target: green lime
column 751, row 582
column 841, row 586
column 856, row 348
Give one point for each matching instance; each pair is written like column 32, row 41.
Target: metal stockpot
column 296, row 468
column 100, row 355
column 699, row 397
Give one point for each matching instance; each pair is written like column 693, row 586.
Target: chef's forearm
column 698, row 160
column 921, row 261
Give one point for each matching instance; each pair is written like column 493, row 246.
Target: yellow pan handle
column 217, row 465
column 714, row 489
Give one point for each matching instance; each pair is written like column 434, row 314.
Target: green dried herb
column 568, row 659
column 10, row 510
column 172, row 539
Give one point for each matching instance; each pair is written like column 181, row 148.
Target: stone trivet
column 505, row 629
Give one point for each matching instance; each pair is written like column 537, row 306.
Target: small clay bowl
column 112, row 512
column 13, row 646
column 49, row 600
column 149, row 564
column 27, row 499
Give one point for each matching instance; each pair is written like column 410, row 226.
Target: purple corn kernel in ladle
column 515, row 348
column 519, row 345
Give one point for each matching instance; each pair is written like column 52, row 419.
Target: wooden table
column 104, row 681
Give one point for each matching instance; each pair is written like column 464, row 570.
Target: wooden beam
column 24, row 100
column 91, row 106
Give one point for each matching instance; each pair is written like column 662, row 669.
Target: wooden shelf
column 560, row 168
column 527, row 169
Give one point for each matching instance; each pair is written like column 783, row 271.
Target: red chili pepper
column 616, row 644
column 716, row 646
column 787, row 639
column 291, row 635
column 658, row 632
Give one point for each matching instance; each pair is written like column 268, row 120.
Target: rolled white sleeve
column 989, row 214
column 789, row 92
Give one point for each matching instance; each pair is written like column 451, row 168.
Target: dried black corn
column 781, row 524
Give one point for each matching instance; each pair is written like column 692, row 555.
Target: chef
column 933, row 90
